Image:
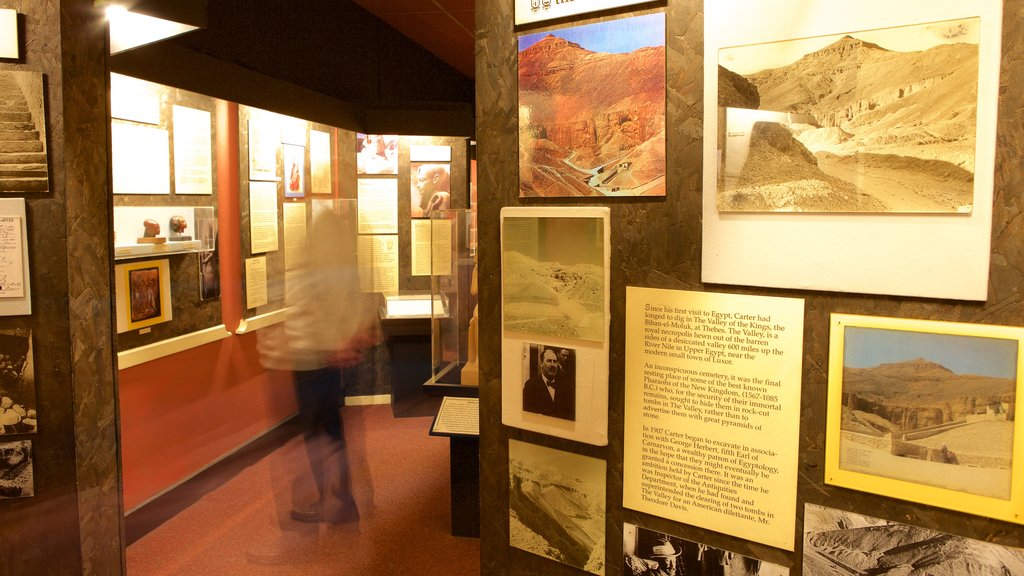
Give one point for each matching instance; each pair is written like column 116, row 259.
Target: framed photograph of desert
column 926, row 411
column 864, row 121
column 555, row 303
column 592, row 109
column 143, row 292
column 850, row 147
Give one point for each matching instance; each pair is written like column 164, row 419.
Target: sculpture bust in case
column 178, row 226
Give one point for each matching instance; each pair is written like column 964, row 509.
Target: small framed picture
column 143, row 292
column 926, row 411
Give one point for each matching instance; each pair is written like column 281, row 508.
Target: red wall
column 183, row 412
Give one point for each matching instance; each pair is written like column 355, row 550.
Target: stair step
column 18, row 135
column 23, row 158
column 35, row 146
column 17, row 125
column 15, row 117
column 23, row 185
column 7, row 172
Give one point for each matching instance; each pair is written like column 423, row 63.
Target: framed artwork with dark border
column 143, row 292
column 926, row 411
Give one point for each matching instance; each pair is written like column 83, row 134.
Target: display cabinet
column 451, row 289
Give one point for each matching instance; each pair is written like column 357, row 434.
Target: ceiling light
column 130, row 30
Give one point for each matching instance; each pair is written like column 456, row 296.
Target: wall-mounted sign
column 528, row 11
column 9, row 40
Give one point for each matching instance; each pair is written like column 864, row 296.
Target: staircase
column 22, row 155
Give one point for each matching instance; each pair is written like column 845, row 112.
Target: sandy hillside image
column 919, row 420
column 838, row 543
column 556, row 502
column 553, row 284
column 592, row 110
column 875, row 121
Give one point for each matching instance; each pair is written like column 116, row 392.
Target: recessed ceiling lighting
column 130, row 30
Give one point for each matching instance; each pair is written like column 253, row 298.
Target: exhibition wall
column 662, row 243
column 71, row 320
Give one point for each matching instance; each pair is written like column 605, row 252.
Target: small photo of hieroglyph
column 838, row 543
column 868, row 121
column 553, row 276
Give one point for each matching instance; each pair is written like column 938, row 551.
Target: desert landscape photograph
column 934, row 409
column 556, row 505
column 868, row 121
column 592, row 109
column 553, row 276
column 839, row 543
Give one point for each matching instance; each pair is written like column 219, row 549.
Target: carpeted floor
column 401, row 485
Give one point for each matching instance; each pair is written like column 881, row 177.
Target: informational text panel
column 713, row 410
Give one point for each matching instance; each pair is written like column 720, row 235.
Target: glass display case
column 451, row 285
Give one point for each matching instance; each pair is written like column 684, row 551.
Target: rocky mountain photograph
column 592, row 109
column 553, row 277
column 556, row 502
column 874, row 121
column 840, row 543
column 931, row 408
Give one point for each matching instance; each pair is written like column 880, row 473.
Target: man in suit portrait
column 545, row 393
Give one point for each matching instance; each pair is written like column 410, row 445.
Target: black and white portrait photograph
column 556, row 505
column 550, row 388
column 650, row 553
column 17, row 383
column 839, row 543
column 16, row 475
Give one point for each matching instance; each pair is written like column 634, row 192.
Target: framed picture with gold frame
column 143, row 291
column 926, row 411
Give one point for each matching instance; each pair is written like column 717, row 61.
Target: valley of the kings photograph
column 868, row 121
column 592, row 109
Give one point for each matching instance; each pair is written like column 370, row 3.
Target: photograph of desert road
column 839, row 543
column 875, row 121
column 592, row 109
column 935, row 409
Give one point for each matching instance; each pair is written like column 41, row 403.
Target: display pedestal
column 459, row 419
column 408, row 343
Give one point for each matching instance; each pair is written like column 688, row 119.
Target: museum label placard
column 712, row 413
column 529, row 11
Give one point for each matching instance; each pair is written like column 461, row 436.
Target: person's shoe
column 313, row 512
column 341, row 510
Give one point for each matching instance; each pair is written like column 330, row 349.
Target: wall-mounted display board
column 23, row 165
column 556, row 310
column 712, row 414
column 15, row 288
column 376, row 154
column 646, row 551
column 193, row 150
column 378, row 205
column 529, row 11
column 320, row 162
column 263, row 235
column 140, row 159
column 378, row 263
column 841, row 542
column 926, row 411
column 557, row 505
column 256, row 282
column 163, row 149
column 574, row 73
column 264, row 142
column 850, row 147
